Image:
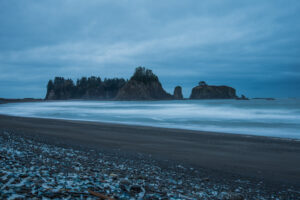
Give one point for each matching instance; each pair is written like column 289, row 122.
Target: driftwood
column 101, row 196
column 97, row 194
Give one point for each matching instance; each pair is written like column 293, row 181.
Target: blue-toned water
column 278, row 118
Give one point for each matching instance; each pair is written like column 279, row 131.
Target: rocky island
column 85, row 88
column 204, row 91
column 143, row 85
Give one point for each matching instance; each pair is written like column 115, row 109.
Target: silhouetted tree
column 91, row 87
column 81, row 86
column 202, row 83
column 63, row 89
column 50, row 87
column 144, row 75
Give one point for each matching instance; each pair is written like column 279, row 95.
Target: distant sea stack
column 178, row 93
column 143, row 85
column 204, row 91
column 243, row 97
column 85, row 88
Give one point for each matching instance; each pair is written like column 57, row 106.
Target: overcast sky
column 253, row 46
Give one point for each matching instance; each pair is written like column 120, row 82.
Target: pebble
column 34, row 170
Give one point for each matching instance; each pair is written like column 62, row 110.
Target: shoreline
column 236, row 127
column 159, row 127
column 259, row 157
column 32, row 169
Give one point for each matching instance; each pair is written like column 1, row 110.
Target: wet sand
column 268, row 159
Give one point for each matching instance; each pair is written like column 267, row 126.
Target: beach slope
column 270, row 159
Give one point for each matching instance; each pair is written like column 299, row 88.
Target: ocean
column 275, row 118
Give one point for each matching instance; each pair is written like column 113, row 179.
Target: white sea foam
column 279, row 118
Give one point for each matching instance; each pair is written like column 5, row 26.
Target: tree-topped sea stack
column 143, row 85
column 204, row 91
column 85, row 88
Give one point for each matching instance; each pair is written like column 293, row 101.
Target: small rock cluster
column 35, row 170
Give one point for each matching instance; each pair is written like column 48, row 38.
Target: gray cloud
column 244, row 44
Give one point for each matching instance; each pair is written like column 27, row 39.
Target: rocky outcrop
column 204, row 91
column 143, row 85
column 178, row 93
column 243, row 97
column 85, row 88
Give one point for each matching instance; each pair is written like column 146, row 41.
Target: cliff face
column 178, row 93
column 213, row 92
column 143, row 85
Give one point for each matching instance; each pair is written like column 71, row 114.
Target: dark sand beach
column 270, row 165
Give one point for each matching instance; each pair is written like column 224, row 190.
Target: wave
column 280, row 118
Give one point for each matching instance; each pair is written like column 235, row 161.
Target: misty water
column 278, row 118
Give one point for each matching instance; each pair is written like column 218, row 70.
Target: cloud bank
column 252, row 46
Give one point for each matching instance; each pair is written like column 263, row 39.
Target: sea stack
column 204, row 91
column 143, row 85
column 178, row 93
column 243, row 97
column 85, row 88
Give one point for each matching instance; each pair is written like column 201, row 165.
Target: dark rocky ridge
column 204, row 91
column 268, row 98
column 2, row 100
column 143, row 85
